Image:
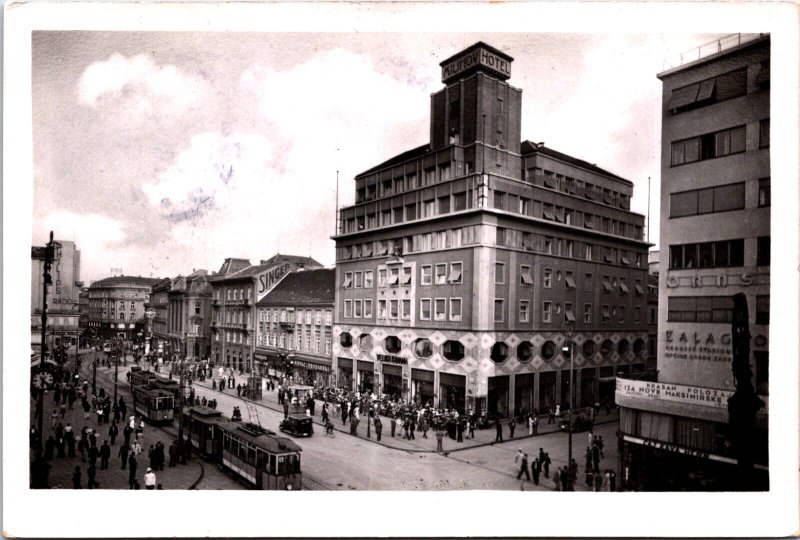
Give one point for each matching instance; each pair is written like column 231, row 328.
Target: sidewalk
column 61, row 469
column 483, row 437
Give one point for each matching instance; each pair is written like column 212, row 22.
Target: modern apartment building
column 295, row 322
column 715, row 242
column 475, row 270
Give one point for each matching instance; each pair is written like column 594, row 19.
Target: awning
column 706, row 90
column 639, row 289
column 548, row 213
column 607, row 379
column 623, row 287
column 683, row 96
column 570, row 282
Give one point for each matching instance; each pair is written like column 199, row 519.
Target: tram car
column 154, row 404
column 169, row 385
column 141, row 377
column 259, row 456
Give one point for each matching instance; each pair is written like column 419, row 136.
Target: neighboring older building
column 236, row 289
column 472, row 270
column 189, row 315
column 715, row 233
column 157, row 333
column 63, row 295
column 295, row 320
column 116, row 305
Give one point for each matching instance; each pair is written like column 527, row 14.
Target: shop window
column 453, row 350
column 638, row 347
column 423, row 348
column 346, row 340
column 623, row 347
column 499, row 352
column 588, row 348
column 524, row 351
column 548, row 350
column 365, row 342
column 606, row 348
column 392, row 344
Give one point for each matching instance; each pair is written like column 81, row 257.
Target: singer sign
column 267, row 279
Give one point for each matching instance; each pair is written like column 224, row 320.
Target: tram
column 154, row 404
column 261, row 457
column 140, row 377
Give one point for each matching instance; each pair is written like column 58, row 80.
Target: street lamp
column 569, row 326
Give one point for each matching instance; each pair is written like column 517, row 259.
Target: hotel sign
column 479, row 57
column 677, row 393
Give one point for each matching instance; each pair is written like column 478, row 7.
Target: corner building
column 468, row 265
column 715, row 231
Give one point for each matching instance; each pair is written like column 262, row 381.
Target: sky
column 162, row 152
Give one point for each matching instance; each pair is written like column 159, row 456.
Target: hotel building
column 63, row 314
column 470, row 269
column 715, row 242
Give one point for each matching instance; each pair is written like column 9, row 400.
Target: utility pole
column 49, row 255
column 180, row 407
column 570, row 347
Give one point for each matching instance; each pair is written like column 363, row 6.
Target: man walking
column 512, row 424
column 499, row 429
column 378, row 427
column 536, row 469
column 105, row 453
column 459, row 430
column 113, row 430
column 123, row 453
column 149, row 479
column 523, row 468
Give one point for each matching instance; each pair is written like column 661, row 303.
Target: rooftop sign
column 478, row 57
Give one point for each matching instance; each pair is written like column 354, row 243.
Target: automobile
column 299, row 425
column 579, row 423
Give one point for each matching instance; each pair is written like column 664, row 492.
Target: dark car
column 299, row 425
column 579, row 423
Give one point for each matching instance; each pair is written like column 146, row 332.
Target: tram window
column 251, row 455
column 226, row 442
column 272, row 460
column 210, row 433
column 260, row 461
column 281, row 465
column 234, row 447
column 243, row 451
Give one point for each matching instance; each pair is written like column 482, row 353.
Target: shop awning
column 607, row 379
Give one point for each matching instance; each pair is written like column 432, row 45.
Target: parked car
column 579, row 423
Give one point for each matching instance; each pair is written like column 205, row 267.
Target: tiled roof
column 137, row 280
column 306, row 287
column 399, row 158
column 297, row 259
column 528, row 147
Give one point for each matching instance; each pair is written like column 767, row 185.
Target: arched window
column 453, row 350
column 392, row 344
column 346, row 340
column 623, row 347
column 548, row 350
column 524, row 351
column 606, row 347
column 499, row 352
column 423, row 348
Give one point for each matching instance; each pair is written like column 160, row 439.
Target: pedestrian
column 82, row 448
column 598, row 481
column 311, row 405
column 423, row 425
column 239, row 390
column 132, row 466
column 405, row 428
column 551, row 416
column 558, row 411
column 123, row 409
column 60, row 443
column 392, row 423
column 62, row 410
column 499, row 429
column 546, row 464
column 530, row 424
column 536, row 469
column 76, row 477
column 136, row 448
column 523, row 468
column 471, row 425
column 105, row 453
column 596, row 457
column 564, row 477
column 91, row 471
column 54, row 418
column 412, row 420
column 512, row 424
column 588, row 458
column 592, row 439
column 612, row 481
column 151, row 456
column 286, row 410
column 439, row 438
column 123, row 453
column 173, row 454
column 93, row 453
column 556, row 481
column 535, row 422
column 113, row 430
column 69, row 436
column 378, row 427
column 325, row 413
column 214, row 384
column 126, row 433
column 87, row 408
column 99, row 415
column 459, row 430
column 600, row 445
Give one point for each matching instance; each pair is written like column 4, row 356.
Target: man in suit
column 105, row 453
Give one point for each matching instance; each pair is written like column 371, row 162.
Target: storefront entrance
column 547, row 391
column 452, row 391
column 498, row 396
column 366, row 377
column 344, row 375
column 606, row 386
column 588, row 378
column 523, row 394
column 392, row 381
column 422, row 386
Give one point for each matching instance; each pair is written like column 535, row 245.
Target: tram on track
column 154, row 404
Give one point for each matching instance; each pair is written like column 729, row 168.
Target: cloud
column 139, row 85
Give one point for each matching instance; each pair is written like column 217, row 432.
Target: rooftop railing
column 707, row 49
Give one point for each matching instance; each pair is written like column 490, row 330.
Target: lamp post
column 569, row 327
column 49, row 255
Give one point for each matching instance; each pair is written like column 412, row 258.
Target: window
column 348, row 280
column 709, row 200
column 459, row 201
column 357, row 308
column 122, row 316
column 709, row 146
column 346, row 340
column 587, row 313
column 348, row 309
column 548, row 350
column 455, row 273
column 499, row 352
column 709, row 91
column 392, row 344
column 394, row 276
column 621, row 313
column 358, row 280
column 763, row 251
column 406, row 275
column 762, row 309
column 524, row 311
column 455, row 309
column 428, row 208
column 764, row 195
column 569, row 314
column 329, row 316
column 394, row 309
column 499, row 273
column 405, row 306
column 722, row 254
column 368, row 279
column 499, row 309
column 367, row 309
column 606, row 314
column 525, row 275
column 548, row 246
column 425, row 278
column 623, row 347
column 524, row 205
column 441, row 274
column 715, row 309
column 382, row 313
column 444, row 204
column 638, row 287
column 499, row 200
column 547, row 312
column 453, row 350
column 588, row 255
column 423, row 348
column 569, row 279
column 425, row 309
column 439, row 313
column 763, row 134
column 547, row 278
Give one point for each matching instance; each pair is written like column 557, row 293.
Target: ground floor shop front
column 301, row 368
